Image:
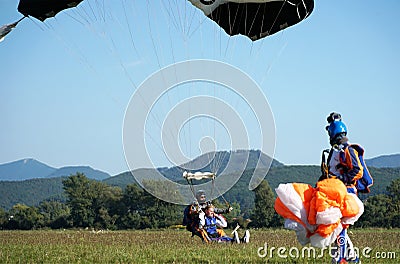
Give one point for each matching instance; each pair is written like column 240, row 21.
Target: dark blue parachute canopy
column 255, row 18
column 43, row 9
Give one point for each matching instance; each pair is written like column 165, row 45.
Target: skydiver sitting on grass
column 211, row 225
column 191, row 217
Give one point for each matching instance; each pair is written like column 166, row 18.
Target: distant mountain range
column 26, row 169
column 385, row 161
column 29, row 168
column 29, row 181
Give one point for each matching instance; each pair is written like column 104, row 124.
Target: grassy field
column 177, row 246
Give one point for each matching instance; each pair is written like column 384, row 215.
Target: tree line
column 94, row 204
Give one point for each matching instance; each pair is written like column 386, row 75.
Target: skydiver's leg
column 221, row 232
column 352, row 255
column 236, row 237
column 342, row 243
column 202, row 234
column 339, row 254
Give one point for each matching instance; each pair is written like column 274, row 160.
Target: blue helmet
column 336, row 127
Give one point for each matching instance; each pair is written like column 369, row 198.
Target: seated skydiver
column 211, row 225
column 191, row 214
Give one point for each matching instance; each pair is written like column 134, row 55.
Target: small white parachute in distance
column 255, row 19
column 198, row 175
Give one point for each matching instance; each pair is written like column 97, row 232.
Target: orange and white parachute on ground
column 319, row 214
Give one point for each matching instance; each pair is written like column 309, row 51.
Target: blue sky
column 65, row 83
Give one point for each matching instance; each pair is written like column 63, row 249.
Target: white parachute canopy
column 198, row 175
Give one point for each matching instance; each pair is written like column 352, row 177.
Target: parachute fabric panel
column 255, row 19
column 293, row 204
column 317, row 215
column 43, row 9
column 293, row 199
column 353, row 209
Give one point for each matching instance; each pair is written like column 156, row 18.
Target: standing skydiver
column 345, row 162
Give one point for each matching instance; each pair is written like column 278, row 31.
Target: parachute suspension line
column 104, row 11
column 156, row 118
column 268, row 69
column 276, row 17
column 72, row 48
column 102, row 15
column 19, row 20
column 229, row 39
column 170, row 13
column 190, row 23
column 151, row 35
column 191, row 188
column 220, row 194
column 214, row 169
column 273, row 24
column 168, row 17
column 199, row 26
column 221, row 157
column 217, row 156
column 76, row 19
column 179, row 16
column 212, row 187
column 112, row 47
column 95, row 16
column 254, row 19
column 118, row 57
column 129, row 28
column 154, row 48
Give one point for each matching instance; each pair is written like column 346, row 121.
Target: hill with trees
column 94, row 204
column 32, row 192
column 384, row 161
column 118, row 202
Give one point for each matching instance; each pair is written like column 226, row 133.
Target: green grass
column 174, row 246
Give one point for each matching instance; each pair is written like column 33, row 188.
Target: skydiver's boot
column 236, row 237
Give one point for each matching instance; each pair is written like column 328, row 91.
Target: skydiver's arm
column 202, row 221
